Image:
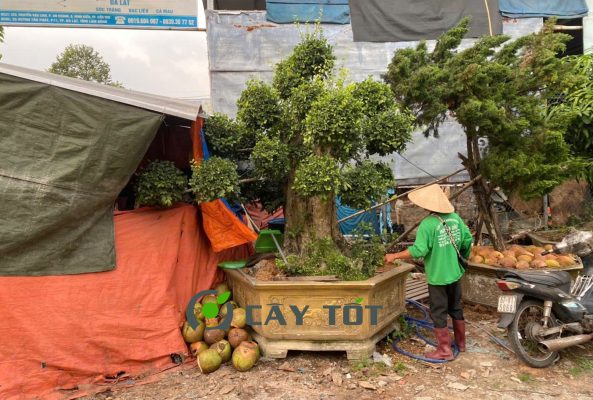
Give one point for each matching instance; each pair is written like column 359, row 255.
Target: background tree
column 308, row 137
column 83, row 62
column 577, row 106
column 497, row 90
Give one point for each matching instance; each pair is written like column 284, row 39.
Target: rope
column 489, row 19
column 422, row 323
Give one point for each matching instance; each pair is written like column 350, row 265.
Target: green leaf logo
column 359, row 300
column 210, row 310
column 223, row 297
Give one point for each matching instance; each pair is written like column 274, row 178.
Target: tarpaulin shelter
column 87, row 294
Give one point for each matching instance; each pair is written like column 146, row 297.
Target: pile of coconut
column 214, row 347
column 521, row 257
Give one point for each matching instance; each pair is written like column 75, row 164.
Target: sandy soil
column 485, row 371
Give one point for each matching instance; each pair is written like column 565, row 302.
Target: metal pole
column 546, row 202
column 395, row 197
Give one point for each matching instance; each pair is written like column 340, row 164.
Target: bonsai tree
column 307, row 137
column 498, row 91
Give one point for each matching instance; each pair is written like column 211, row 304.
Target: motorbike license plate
column 507, row 304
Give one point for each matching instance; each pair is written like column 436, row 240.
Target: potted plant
column 304, row 139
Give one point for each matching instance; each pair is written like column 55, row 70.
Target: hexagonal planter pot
column 354, row 332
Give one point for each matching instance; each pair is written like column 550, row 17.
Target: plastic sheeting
column 64, row 158
column 244, row 45
column 403, row 20
column 62, row 336
column 543, row 8
column 324, row 11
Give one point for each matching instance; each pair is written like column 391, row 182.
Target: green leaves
column 214, row 178
column 270, row 158
column 225, row 136
column 365, row 183
column 258, row 109
column 161, row 184
column 317, row 176
column 495, row 91
column 334, row 123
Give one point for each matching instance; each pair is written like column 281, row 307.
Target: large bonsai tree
column 307, row 137
column 498, row 91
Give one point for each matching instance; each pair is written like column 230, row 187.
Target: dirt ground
column 486, row 371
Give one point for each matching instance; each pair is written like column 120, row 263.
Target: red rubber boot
column 459, row 330
column 443, row 351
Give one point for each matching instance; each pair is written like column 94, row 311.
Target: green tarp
column 64, row 158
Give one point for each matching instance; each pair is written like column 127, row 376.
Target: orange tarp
column 64, row 335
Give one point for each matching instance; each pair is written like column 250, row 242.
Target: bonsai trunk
column 483, row 191
column 308, row 219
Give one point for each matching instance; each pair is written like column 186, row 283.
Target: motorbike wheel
column 527, row 348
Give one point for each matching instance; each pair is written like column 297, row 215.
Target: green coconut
column 224, row 349
column 212, row 336
column 252, row 345
column 236, row 336
column 210, row 298
column 198, row 347
column 223, row 308
column 198, row 311
column 209, row 361
column 222, row 288
column 239, row 318
column 244, row 358
column 191, row 335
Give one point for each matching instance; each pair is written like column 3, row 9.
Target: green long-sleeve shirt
column 433, row 243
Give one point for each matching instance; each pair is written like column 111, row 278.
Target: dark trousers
column 445, row 299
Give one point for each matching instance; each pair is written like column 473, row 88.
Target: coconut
column 520, row 251
column 538, row 263
column 209, row 299
column 477, row 259
column 239, row 319
column 222, row 288
column 525, row 257
column 522, row 265
column 508, row 262
column 198, row 347
column 191, row 335
column 496, row 254
column 236, row 336
column 209, row 361
column 212, row 336
column 198, row 311
column 223, row 308
column 492, row 261
column 552, row 264
column 509, row 253
column 252, row 345
column 538, row 250
column 484, row 251
column 549, row 247
column 244, row 358
column 565, row 261
column 224, row 349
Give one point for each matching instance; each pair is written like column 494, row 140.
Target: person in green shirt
column 443, row 271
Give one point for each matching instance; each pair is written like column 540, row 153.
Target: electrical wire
column 416, row 166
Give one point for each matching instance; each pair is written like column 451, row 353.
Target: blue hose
column 421, row 323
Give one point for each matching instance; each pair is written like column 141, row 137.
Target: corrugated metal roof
column 165, row 105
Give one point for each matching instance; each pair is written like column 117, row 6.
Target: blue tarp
column 325, row 11
column 543, row 8
column 348, row 227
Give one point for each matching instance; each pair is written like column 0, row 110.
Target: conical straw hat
column 432, row 198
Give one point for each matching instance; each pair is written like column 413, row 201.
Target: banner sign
column 142, row 14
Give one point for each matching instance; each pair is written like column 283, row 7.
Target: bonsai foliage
column 213, row 178
column 498, row 90
column 161, row 184
column 308, row 136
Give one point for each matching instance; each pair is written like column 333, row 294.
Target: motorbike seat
column 558, row 279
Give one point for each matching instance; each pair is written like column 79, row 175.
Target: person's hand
column 390, row 258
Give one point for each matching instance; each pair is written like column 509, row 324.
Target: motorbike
column 545, row 312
